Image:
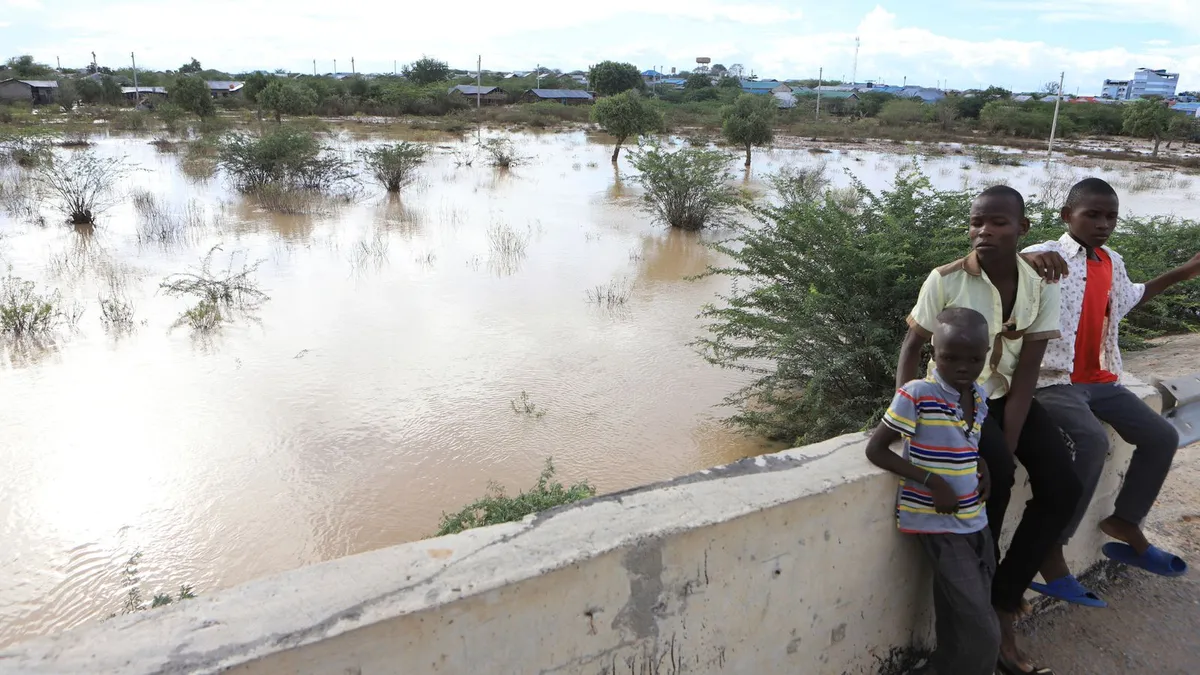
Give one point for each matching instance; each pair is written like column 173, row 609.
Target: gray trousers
column 968, row 632
column 1079, row 409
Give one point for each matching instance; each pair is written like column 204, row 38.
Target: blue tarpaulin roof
column 561, row 93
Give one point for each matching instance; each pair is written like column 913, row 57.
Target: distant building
column 29, row 91
column 1115, row 89
column 651, row 75
column 673, row 82
column 223, row 88
column 563, row 96
column 926, row 94
column 1145, row 82
column 1187, row 108
column 135, row 93
column 486, row 95
column 764, row 87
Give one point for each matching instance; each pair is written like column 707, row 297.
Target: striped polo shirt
column 937, row 439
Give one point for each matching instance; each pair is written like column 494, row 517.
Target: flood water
column 375, row 390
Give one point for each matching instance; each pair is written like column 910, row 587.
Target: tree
column 1182, row 128
column 624, row 115
column 945, row 112
column 67, row 93
column 718, row 71
column 609, row 77
column 427, row 70
column 870, row 103
column 284, row 97
column 255, row 83
column 902, row 112
column 190, row 68
column 395, row 166
column 25, row 67
column 110, row 91
column 90, row 91
column 737, row 71
column 191, row 93
column 972, row 103
column 697, row 81
column 1147, row 119
column 1050, row 88
column 749, row 121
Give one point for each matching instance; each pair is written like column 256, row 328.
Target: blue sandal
column 1069, row 589
column 1154, row 560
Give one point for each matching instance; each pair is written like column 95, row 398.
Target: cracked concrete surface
column 1152, row 624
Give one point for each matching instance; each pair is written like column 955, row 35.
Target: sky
column 960, row 44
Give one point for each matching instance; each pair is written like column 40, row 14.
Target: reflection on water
column 374, row 393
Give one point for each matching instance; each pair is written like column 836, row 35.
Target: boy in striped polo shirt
column 945, row 485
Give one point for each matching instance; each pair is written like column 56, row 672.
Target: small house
column 563, row 96
column 926, row 94
column 137, row 93
column 764, row 87
column 29, row 91
column 223, row 88
column 486, row 95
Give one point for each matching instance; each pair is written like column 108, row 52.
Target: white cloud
column 1168, row 12
column 23, row 4
column 893, row 51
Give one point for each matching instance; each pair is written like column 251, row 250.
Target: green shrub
column 395, row 166
column 901, row 112
column 286, row 156
column 25, row 313
column 749, row 121
column 83, row 182
column 687, row 188
column 497, row 507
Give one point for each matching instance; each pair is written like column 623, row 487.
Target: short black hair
column 1088, row 187
column 1005, row 191
column 961, row 322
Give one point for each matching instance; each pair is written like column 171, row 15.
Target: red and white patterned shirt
column 1059, row 361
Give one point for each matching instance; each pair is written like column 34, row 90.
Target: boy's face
column 997, row 224
column 1092, row 220
column 960, row 359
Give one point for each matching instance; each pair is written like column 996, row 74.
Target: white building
column 1145, row 82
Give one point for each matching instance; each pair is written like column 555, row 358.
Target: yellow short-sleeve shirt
column 963, row 283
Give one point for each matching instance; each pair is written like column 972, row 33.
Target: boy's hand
column 945, row 500
column 1192, row 267
column 985, row 481
column 1049, row 264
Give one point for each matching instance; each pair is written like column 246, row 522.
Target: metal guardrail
column 1181, row 406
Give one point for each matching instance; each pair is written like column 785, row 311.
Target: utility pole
column 539, row 76
column 1054, row 125
column 59, row 62
column 393, row 67
column 314, row 67
column 820, row 78
column 95, row 68
column 905, row 81
column 352, row 71
column 854, row 73
column 335, row 68
column 478, row 81
column 137, row 93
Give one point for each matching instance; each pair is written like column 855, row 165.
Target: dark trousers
column 1043, row 452
column 968, row 634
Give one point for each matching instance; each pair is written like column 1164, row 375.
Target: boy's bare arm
column 1188, row 270
column 910, row 357
column 1020, row 391
column 880, row 454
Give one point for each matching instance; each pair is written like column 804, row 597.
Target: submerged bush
column 285, row 156
column 221, row 295
column 26, row 313
column 83, row 182
column 395, row 166
column 496, row 507
column 822, row 287
column 687, row 188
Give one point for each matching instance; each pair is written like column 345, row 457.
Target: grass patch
column 611, row 295
column 25, row 312
column 522, row 405
column 497, row 507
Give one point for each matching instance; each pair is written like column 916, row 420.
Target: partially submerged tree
column 610, row 77
column 220, row 294
column 1147, row 119
column 750, row 121
column 285, row 97
column 286, row 158
column 191, row 93
column 626, row 115
column 427, row 70
column 395, row 166
column 83, row 183
column 687, row 188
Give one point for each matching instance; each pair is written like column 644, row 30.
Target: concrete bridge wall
column 786, row 563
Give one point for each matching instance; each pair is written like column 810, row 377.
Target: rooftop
column 39, row 84
column 472, row 90
column 560, row 93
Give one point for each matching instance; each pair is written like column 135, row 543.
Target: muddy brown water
column 375, row 389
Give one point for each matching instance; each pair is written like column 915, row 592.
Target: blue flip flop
column 1154, row 560
column 1069, row 589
